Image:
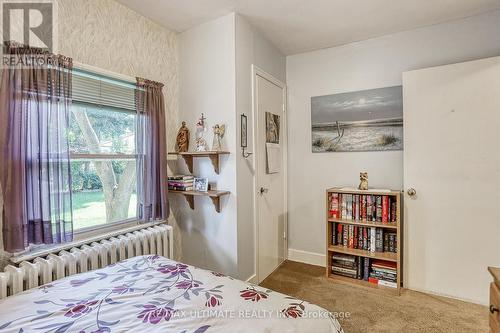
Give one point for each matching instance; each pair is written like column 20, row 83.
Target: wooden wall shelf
column 213, row 194
column 213, row 155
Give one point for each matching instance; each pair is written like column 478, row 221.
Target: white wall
column 215, row 78
column 369, row 64
column 251, row 48
column 207, row 85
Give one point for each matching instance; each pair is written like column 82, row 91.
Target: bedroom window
column 102, row 139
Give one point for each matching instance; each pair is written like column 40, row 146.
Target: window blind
column 91, row 88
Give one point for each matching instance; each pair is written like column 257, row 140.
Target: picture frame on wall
column 364, row 120
column 244, row 133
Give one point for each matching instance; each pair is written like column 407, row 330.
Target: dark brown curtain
column 35, row 98
column 151, row 144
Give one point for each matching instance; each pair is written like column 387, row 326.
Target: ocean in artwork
column 369, row 120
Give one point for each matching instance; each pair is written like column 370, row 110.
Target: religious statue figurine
column 363, row 177
column 183, row 138
column 201, row 143
column 219, row 131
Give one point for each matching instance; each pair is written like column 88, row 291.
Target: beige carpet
column 373, row 310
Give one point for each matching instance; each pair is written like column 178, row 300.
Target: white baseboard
column 430, row 292
column 306, row 257
column 252, row 279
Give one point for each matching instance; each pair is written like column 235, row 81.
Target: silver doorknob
column 411, row 192
column 263, row 190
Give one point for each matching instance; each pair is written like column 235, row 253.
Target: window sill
column 84, row 237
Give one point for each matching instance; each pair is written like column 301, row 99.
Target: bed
column 155, row 294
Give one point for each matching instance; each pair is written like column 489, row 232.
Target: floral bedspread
column 155, row 294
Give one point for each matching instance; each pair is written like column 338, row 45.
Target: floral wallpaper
column 108, row 35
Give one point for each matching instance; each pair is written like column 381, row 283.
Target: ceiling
column 296, row 26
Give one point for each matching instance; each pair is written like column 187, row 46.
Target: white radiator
column 39, row 271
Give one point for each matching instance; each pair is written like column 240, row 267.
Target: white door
column 269, row 97
column 452, row 161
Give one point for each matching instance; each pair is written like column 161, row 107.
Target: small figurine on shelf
column 201, row 143
column 363, row 185
column 219, row 131
column 183, row 138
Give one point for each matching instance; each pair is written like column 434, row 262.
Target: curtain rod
column 104, row 72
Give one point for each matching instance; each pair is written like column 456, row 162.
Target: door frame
column 256, row 72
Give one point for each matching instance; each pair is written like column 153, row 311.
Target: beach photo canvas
column 367, row 120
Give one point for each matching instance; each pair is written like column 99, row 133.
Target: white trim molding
column 257, row 71
column 252, row 279
column 317, row 259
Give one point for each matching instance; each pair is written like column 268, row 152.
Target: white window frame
column 85, row 233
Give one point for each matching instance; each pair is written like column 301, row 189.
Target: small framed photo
column 201, row 184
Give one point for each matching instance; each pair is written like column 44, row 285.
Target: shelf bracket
column 189, row 162
column 190, row 200
column 216, row 202
column 215, row 162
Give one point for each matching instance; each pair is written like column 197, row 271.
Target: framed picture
column 366, row 120
column 244, row 134
column 272, row 128
column 201, row 184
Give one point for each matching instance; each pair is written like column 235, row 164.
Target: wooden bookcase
column 394, row 227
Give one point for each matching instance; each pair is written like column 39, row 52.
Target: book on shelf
column 349, row 206
column 384, row 273
column 363, row 207
column 369, row 208
column 180, row 177
column 379, row 240
column 360, row 238
column 378, row 213
column 180, row 183
column 347, row 265
column 343, row 201
column 366, row 269
column 334, row 206
column 375, row 271
column 343, row 257
column 180, row 188
column 385, row 209
column 371, row 239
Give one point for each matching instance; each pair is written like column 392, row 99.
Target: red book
column 340, row 234
column 384, row 264
column 334, row 206
column 355, row 241
column 385, row 209
column 373, row 280
column 393, row 210
column 363, row 208
column 351, row 236
column 354, row 207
